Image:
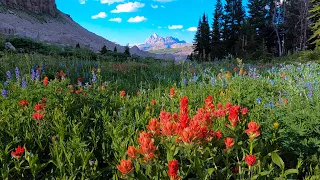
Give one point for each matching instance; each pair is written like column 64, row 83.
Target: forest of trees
column 261, row 29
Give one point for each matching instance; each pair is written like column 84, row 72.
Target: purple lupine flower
column 33, row 74
column 42, row 68
column 213, row 80
column 94, row 78
column 310, row 90
column 87, row 76
column 194, row 78
column 9, row 75
column 17, row 73
column 6, row 83
column 24, row 82
column 185, row 81
column 4, row 93
column 37, row 75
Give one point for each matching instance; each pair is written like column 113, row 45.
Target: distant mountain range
column 168, row 45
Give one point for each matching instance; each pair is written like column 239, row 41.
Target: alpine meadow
column 232, row 93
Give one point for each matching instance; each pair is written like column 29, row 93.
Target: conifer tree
column 115, row 49
column 316, row 23
column 104, row 50
column 127, row 50
column 233, row 20
column 202, row 39
column 217, row 49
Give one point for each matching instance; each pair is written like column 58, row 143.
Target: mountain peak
column 155, row 35
column 155, row 42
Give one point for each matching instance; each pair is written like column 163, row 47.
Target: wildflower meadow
column 155, row 119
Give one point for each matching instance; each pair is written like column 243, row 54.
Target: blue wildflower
column 94, row 77
column 37, row 76
column 258, row 100
column 185, row 81
column 272, row 82
column 24, row 82
column 42, row 68
column 213, row 80
column 194, row 78
column 17, row 73
column 9, row 75
column 33, row 74
column 4, row 93
column 6, row 83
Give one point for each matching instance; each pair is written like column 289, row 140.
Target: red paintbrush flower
column 18, row 152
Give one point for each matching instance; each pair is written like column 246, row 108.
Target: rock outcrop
column 36, row 6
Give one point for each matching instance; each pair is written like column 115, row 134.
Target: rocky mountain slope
column 41, row 20
column 168, row 45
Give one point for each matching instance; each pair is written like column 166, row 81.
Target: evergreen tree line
column 269, row 28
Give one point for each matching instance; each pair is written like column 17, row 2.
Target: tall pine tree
column 316, row 23
column 233, row 20
column 217, row 48
column 202, row 39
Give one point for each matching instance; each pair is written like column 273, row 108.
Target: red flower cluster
column 173, row 169
column 132, row 152
column 39, row 108
column 172, row 92
column 154, row 126
column 45, row 81
column 18, row 153
column 23, row 103
column 122, row 93
column 153, row 102
column 125, row 167
column 253, row 130
column 229, row 142
column 147, row 147
column 250, row 159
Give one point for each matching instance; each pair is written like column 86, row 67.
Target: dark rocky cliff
column 35, row 6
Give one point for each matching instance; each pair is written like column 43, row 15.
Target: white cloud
column 82, row 1
column 137, row 19
column 154, row 6
column 163, row 1
column 192, row 29
column 119, row 20
column 159, row 27
column 100, row 15
column 110, row 1
column 175, row 27
column 128, row 7
column 163, row 6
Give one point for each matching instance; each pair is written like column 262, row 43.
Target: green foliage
column 316, row 23
column 103, row 50
column 217, row 49
column 86, row 129
column 2, row 42
column 27, row 45
column 202, row 40
column 127, row 51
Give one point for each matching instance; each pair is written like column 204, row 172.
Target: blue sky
column 132, row 21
